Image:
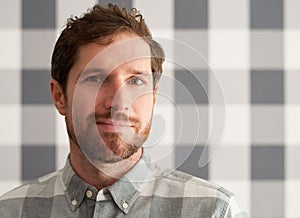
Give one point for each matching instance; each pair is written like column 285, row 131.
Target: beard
column 107, row 147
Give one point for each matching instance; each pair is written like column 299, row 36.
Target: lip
column 110, row 126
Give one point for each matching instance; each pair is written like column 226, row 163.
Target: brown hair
column 97, row 23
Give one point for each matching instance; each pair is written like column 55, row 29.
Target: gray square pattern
column 37, row 160
column 191, row 14
column 266, row 14
column 267, row 87
column 38, row 13
column 267, row 162
column 191, row 87
column 187, row 159
column 35, row 87
column 120, row 3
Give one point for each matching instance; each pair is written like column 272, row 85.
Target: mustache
column 115, row 116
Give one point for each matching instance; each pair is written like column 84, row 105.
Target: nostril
column 119, row 107
column 120, row 102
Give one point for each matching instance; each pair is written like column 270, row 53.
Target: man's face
column 110, row 98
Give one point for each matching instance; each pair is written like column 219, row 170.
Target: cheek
column 83, row 103
column 142, row 107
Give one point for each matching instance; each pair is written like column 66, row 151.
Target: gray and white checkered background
column 253, row 47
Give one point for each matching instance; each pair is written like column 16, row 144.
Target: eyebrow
column 141, row 72
column 93, row 70
column 102, row 70
column 87, row 71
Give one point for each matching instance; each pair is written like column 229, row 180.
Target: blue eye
column 136, row 81
column 94, row 79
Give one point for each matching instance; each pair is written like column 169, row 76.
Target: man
column 105, row 73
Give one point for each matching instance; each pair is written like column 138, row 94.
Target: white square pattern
column 229, row 49
column 10, row 125
column 10, row 52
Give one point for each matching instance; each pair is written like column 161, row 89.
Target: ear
column 154, row 94
column 58, row 96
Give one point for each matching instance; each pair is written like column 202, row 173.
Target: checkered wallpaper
column 252, row 46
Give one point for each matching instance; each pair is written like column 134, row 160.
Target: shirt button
column 89, row 193
column 74, row 202
column 125, row 205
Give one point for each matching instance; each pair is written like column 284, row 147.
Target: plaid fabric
column 254, row 48
column 145, row 191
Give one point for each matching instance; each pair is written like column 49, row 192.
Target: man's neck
column 101, row 175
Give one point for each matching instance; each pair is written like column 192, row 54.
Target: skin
column 108, row 108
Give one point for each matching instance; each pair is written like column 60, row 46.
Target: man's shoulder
column 191, row 186
column 194, row 195
column 43, row 187
column 33, row 195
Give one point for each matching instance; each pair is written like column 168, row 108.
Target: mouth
column 113, row 126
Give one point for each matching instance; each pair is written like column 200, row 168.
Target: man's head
column 105, row 69
column 100, row 25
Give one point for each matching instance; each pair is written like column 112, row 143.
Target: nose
column 116, row 97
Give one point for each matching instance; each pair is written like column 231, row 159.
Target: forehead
column 126, row 49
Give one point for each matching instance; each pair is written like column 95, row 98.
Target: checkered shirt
column 145, row 191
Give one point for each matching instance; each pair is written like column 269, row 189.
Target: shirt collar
column 124, row 192
column 127, row 189
column 75, row 187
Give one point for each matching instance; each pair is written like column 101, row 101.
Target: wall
column 252, row 48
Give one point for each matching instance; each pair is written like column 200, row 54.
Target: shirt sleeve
column 234, row 211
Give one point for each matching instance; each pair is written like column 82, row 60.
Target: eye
column 94, row 79
column 136, row 81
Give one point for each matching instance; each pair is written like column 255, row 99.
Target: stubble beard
column 106, row 147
